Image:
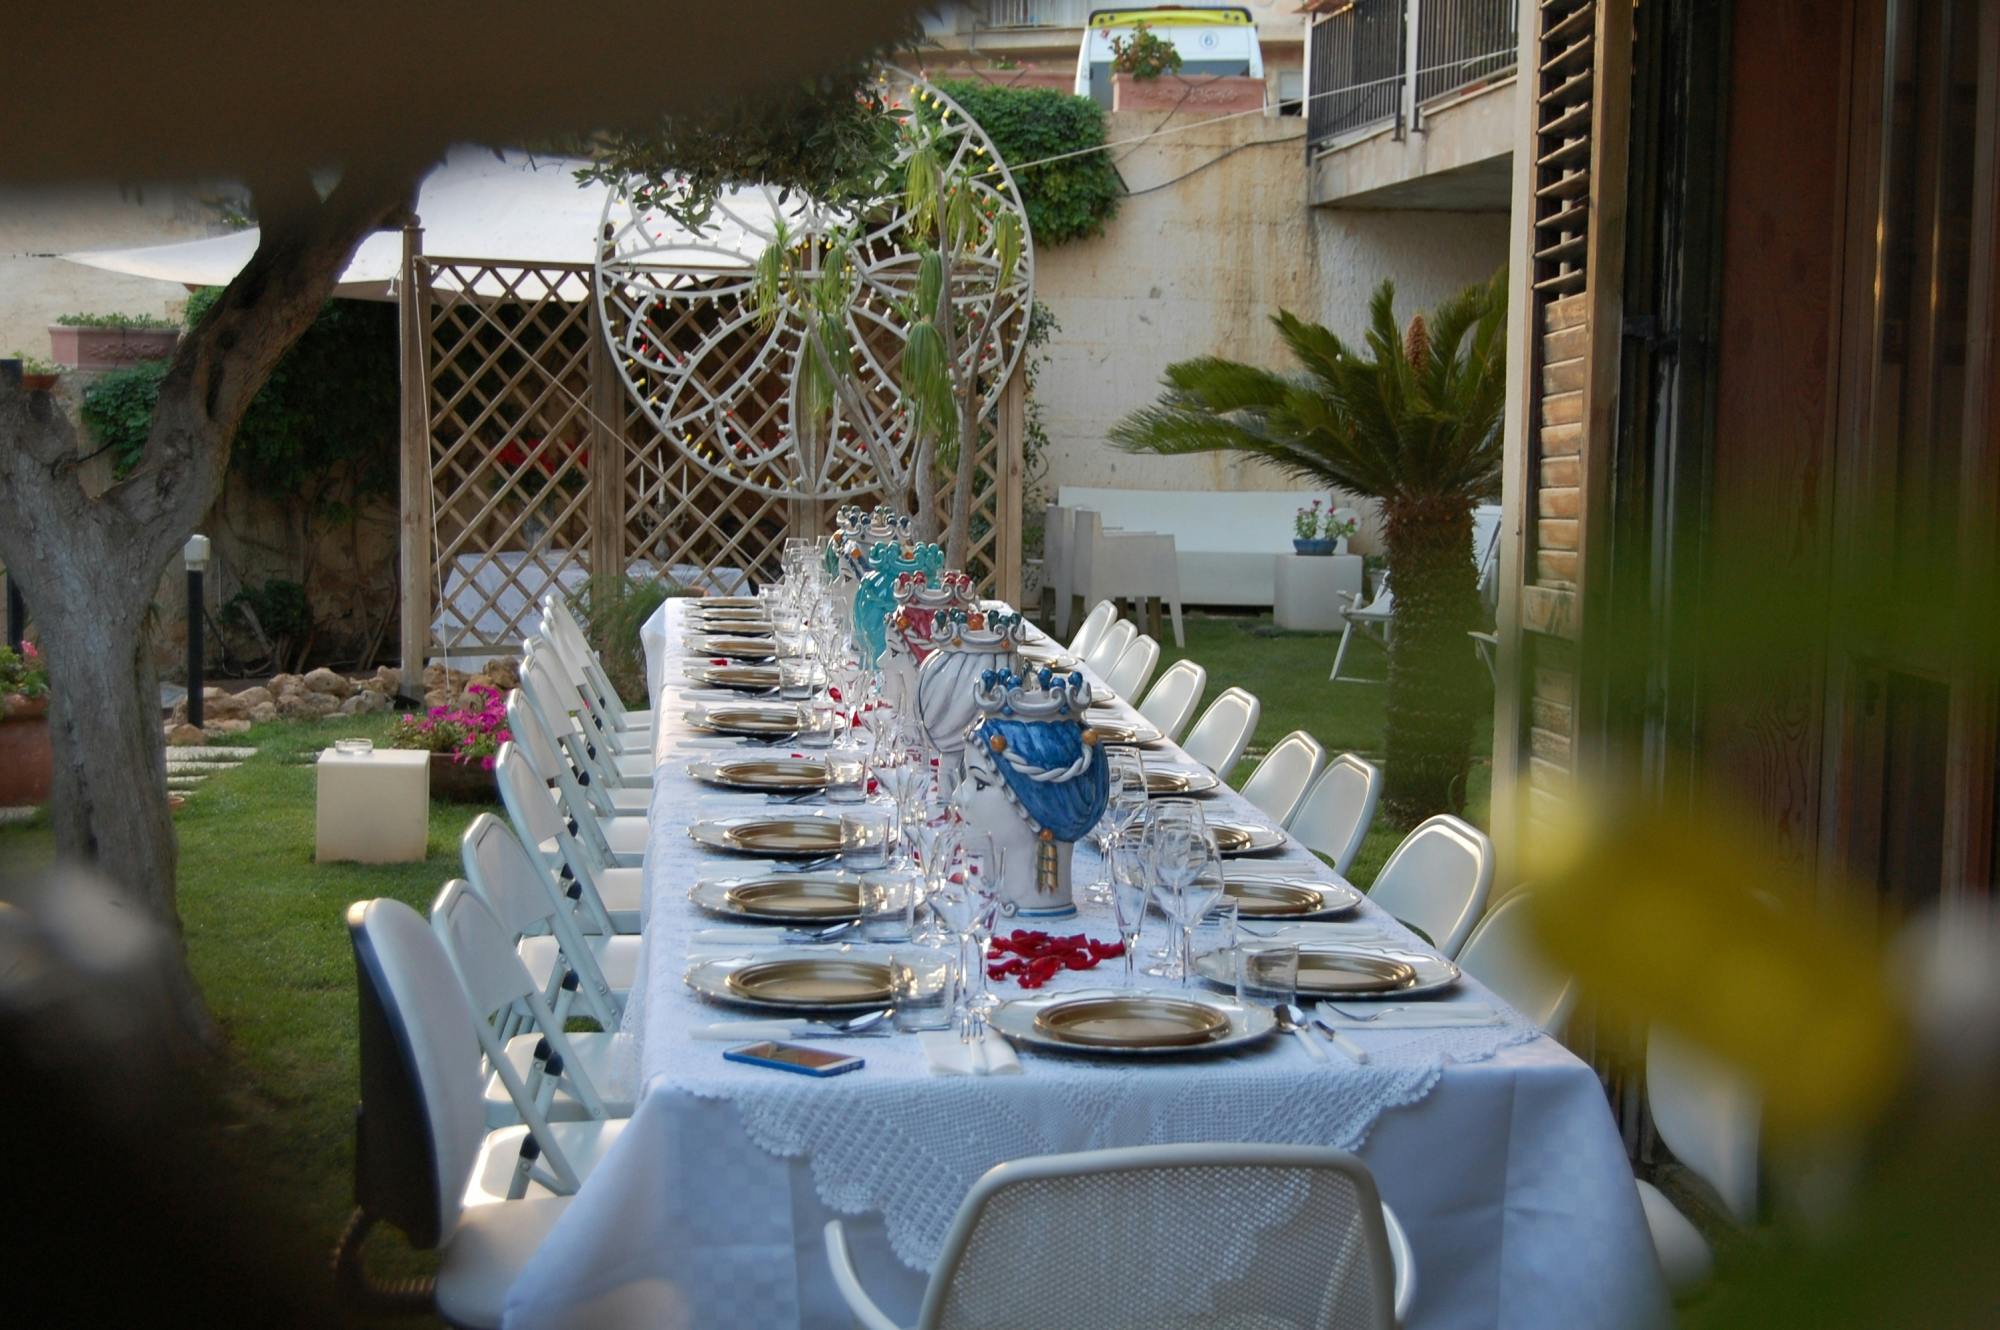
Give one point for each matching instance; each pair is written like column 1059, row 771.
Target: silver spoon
column 1292, row 1020
column 813, row 936
column 853, row 1026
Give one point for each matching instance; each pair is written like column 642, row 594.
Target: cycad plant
column 1412, row 419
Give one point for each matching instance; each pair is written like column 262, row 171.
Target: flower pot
column 109, row 348
column 27, row 761
column 1321, row 547
column 462, row 782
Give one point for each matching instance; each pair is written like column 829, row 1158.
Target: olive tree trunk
column 88, row 565
column 1434, row 686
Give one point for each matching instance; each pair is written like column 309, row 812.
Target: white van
column 1212, row 40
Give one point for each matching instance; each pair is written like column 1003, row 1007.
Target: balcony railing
column 1380, row 62
column 1035, row 13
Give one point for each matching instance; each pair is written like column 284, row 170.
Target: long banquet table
column 1493, row 1145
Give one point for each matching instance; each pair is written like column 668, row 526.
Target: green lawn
column 264, row 922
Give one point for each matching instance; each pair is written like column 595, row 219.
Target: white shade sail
column 510, row 208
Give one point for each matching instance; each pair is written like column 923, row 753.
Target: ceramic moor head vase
column 876, row 596
column 906, row 637
column 965, row 644
column 1036, row 780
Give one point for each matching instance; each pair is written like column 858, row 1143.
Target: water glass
column 1214, row 934
column 889, row 905
column 847, row 777
column 867, row 833
column 1131, row 888
column 795, row 678
column 922, row 985
column 1267, row 971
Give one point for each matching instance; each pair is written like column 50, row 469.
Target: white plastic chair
column 1108, row 562
column 424, row 1161
column 1501, row 953
column 1134, row 670
column 1337, row 811
column 1281, row 780
column 1067, row 1240
column 609, row 895
column 550, row 931
column 558, row 704
column 1110, row 647
column 1102, row 615
column 1710, row 1118
column 1057, row 525
column 545, row 754
column 565, row 631
column 1375, row 620
column 1437, row 880
column 530, row 1058
column 614, row 841
column 1218, row 739
column 1170, row 706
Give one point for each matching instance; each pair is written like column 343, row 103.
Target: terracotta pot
column 39, row 383
column 27, row 762
column 462, row 782
column 110, row 348
column 1193, row 93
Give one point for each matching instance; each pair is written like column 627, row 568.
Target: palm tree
column 1413, row 420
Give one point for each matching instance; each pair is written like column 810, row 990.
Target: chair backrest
column 1218, row 739
column 1110, row 646
column 527, row 902
column 1502, row 954
column 1437, row 880
column 1092, row 628
column 1708, row 1116
column 1337, row 811
column 1057, row 524
column 549, row 763
column 506, row 1003
column 422, row 1110
column 1170, row 706
column 537, row 820
column 1082, row 1239
column 1286, row 773
column 1134, row 670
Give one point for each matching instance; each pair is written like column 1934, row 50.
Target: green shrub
column 118, row 407
column 137, row 322
column 612, row 610
column 1065, row 200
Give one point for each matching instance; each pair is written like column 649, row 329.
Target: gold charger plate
column 1272, row 900
column 740, row 648
column 1137, row 1021
column 765, row 773
column 1230, row 838
column 785, row 835
column 1179, row 782
column 703, row 603
column 748, row 720
column 815, row 981
column 817, row 898
column 1351, row 972
column 749, row 678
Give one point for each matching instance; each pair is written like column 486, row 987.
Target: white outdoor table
column 1309, row 588
column 1506, row 1172
column 372, row 807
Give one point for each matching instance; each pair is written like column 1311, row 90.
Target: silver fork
column 1371, row 1014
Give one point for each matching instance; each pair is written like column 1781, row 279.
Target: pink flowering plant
column 23, row 676
column 468, row 734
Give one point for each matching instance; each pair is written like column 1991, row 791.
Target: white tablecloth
column 1494, row 1146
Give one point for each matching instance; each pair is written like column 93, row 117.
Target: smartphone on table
column 794, row 1057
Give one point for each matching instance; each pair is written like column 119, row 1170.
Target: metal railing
column 1379, row 62
column 1035, row 13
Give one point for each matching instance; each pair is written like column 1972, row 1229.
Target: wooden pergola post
column 1010, row 424
column 412, row 318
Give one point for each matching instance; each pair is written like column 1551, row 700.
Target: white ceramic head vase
column 908, row 632
column 1036, row 780
column 964, row 645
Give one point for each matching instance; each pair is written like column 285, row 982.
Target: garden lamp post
column 195, row 552
column 17, row 614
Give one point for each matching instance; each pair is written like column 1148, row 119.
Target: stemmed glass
column 1175, row 842
column 1126, row 804
column 985, row 864
column 1131, row 887
column 1202, row 889
column 964, row 896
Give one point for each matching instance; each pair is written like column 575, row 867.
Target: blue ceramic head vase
column 1053, row 766
column 876, row 596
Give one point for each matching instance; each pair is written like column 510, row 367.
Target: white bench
column 1223, row 539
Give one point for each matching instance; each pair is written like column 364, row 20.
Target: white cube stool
column 374, row 807
column 1310, row 590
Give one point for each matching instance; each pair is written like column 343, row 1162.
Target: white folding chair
column 1218, row 739
column 1057, row 526
column 1375, row 620
column 609, row 895
column 1134, row 670
column 1136, row 565
column 561, row 626
column 551, row 932
column 530, row 1058
column 1110, row 647
column 1170, row 706
column 1102, row 615
column 1501, row 953
column 1437, row 880
column 545, row 754
column 1710, row 1118
column 1061, row 1240
column 1337, row 811
column 559, row 704
column 596, row 821
column 1284, row 775
column 424, row 1161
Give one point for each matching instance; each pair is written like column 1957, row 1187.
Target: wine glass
column 1127, row 798
column 1199, row 892
column 1175, row 841
column 1131, row 887
column 982, row 861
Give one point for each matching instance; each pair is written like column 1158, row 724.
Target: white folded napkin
column 1440, row 1016
column 745, row 1031
column 991, row 1056
column 736, row 937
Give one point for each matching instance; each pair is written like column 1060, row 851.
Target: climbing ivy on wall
column 1066, row 200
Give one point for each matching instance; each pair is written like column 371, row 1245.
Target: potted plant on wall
column 37, row 375
column 1306, row 537
column 108, row 341
column 27, row 762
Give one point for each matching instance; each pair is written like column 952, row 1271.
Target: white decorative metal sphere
column 721, row 384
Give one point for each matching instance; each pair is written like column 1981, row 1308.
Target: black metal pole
column 194, row 647
column 17, row 614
